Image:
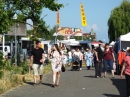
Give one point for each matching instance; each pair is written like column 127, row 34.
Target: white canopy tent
column 112, row 43
column 70, row 42
column 124, row 41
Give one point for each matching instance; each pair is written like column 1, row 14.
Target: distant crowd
column 101, row 58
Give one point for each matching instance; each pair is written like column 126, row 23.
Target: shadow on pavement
column 89, row 76
column 120, row 84
column 47, row 84
column 32, row 83
column 72, row 70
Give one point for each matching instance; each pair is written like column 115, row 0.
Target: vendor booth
column 124, row 41
column 121, row 45
column 112, row 43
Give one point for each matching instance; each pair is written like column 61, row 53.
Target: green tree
column 30, row 9
column 119, row 21
column 50, row 36
column 33, row 10
column 78, row 37
column 5, row 17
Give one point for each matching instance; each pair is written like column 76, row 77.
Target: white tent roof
column 125, row 37
column 112, row 43
column 70, row 42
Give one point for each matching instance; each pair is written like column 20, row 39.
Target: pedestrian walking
column 56, row 65
column 126, row 67
column 81, row 59
column 64, row 59
column 93, row 52
column 77, row 52
column 88, row 58
column 36, row 62
column 108, row 59
column 70, row 57
column 98, row 59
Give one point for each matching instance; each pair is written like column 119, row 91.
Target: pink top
column 127, row 69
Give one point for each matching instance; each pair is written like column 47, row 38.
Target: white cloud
column 94, row 27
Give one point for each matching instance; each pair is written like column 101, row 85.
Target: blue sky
column 97, row 14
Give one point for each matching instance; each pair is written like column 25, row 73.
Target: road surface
column 73, row 84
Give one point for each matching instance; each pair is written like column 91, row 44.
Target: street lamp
column 15, row 17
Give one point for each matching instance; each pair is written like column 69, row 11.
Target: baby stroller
column 75, row 63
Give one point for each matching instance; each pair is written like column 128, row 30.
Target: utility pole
column 15, row 17
column 57, row 21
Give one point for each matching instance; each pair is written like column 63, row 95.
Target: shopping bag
column 63, row 68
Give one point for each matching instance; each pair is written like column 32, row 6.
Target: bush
column 25, row 67
column 12, row 81
column 1, row 74
column 2, row 65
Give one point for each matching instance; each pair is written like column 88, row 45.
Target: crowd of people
column 101, row 57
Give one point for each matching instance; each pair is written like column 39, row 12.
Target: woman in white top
column 80, row 55
column 77, row 52
column 64, row 59
column 56, row 65
column 70, row 57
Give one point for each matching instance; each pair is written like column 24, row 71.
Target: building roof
column 95, row 42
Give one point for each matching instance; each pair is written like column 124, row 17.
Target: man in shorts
column 36, row 62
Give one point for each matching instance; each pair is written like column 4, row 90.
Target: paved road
column 73, row 84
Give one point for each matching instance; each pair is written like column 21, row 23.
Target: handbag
column 63, row 68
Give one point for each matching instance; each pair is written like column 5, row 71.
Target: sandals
column 54, row 85
column 57, row 85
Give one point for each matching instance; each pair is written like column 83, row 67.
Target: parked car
column 7, row 48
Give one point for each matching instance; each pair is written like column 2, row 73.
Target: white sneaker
column 80, row 68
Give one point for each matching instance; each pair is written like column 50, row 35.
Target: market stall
column 124, row 41
column 121, row 45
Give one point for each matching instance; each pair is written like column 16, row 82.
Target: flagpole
column 82, row 32
column 57, row 22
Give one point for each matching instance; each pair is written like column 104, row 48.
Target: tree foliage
column 5, row 17
column 29, row 9
column 119, row 21
column 46, row 36
column 25, row 9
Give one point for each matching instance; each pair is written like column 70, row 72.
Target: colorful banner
column 58, row 18
column 83, row 17
column 69, row 31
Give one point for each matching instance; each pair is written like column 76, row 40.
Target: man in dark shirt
column 36, row 61
column 98, row 60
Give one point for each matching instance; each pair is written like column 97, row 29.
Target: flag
column 83, row 17
column 58, row 18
